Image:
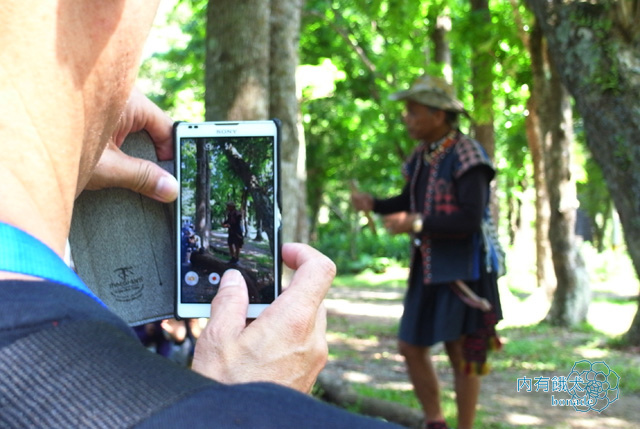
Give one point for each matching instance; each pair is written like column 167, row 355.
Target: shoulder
column 30, row 306
column 255, row 405
column 470, row 154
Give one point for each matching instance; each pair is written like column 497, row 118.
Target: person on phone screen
column 235, row 238
column 454, row 255
column 66, row 104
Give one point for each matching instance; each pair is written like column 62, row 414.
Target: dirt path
column 375, row 362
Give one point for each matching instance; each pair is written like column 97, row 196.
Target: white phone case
column 227, row 213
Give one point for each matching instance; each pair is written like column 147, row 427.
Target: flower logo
column 593, row 386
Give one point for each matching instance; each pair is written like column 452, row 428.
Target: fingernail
column 231, row 278
column 167, row 188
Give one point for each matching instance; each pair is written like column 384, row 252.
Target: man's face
column 423, row 123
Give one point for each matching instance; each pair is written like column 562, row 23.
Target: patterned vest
column 447, row 257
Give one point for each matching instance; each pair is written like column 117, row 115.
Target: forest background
column 552, row 88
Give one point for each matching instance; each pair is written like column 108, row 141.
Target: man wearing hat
column 452, row 294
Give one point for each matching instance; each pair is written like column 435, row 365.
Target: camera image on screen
column 227, row 205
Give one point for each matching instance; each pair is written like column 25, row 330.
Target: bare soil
column 373, row 360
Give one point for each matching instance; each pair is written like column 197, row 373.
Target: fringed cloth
column 477, row 345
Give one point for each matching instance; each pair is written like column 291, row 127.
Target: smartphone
column 228, row 212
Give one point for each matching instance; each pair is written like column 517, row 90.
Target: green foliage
column 360, row 250
column 180, row 68
column 353, row 131
column 225, row 183
column 356, row 133
column 535, row 348
column 403, row 397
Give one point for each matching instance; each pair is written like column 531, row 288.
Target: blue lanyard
column 24, row 254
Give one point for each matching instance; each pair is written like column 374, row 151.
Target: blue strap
column 24, row 254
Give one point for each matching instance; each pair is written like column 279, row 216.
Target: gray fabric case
column 122, row 246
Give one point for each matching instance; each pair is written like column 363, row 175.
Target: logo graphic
column 124, row 273
column 591, row 386
column 128, row 285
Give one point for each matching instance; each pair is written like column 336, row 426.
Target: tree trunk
column 544, row 263
column 596, row 51
column 443, row 50
column 482, row 80
column 572, row 296
column 202, row 197
column 337, row 391
column 285, row 32
column 440, row 40
column 252, row 55
column 237, row 63
column 482, row 83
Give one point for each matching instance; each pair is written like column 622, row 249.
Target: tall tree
column 237, row 63
column 483, row 76
column 535, row 119
column 251, row 62
column 596, row 49
column 572, row 294
column 203, row 208
column 439, row 16
column 237, row 60
column 285, row 36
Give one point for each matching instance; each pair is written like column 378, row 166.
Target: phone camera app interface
column 227, row 215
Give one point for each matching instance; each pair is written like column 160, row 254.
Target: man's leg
column 236, row 251
column 424, row 379
column 467, row 386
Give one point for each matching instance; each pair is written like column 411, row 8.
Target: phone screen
column 227, row 211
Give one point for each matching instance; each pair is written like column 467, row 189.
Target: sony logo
column 226, row 131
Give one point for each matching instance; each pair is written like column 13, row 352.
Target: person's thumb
column 117, row 169
column 229, row 306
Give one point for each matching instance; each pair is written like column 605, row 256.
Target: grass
column 394, row 277
column 393, row 395
column 531, row 346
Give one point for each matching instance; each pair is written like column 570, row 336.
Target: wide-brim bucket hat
column 433, row 92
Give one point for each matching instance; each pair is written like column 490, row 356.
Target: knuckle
column 327, row 267
column 143, row 177
column 322, row 353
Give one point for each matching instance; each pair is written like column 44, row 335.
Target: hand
column 400, row 222
column 362, row 201
column 176, row 329
column 116, row 169
column 286, row 344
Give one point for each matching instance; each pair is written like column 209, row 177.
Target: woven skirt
column 434, row 313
